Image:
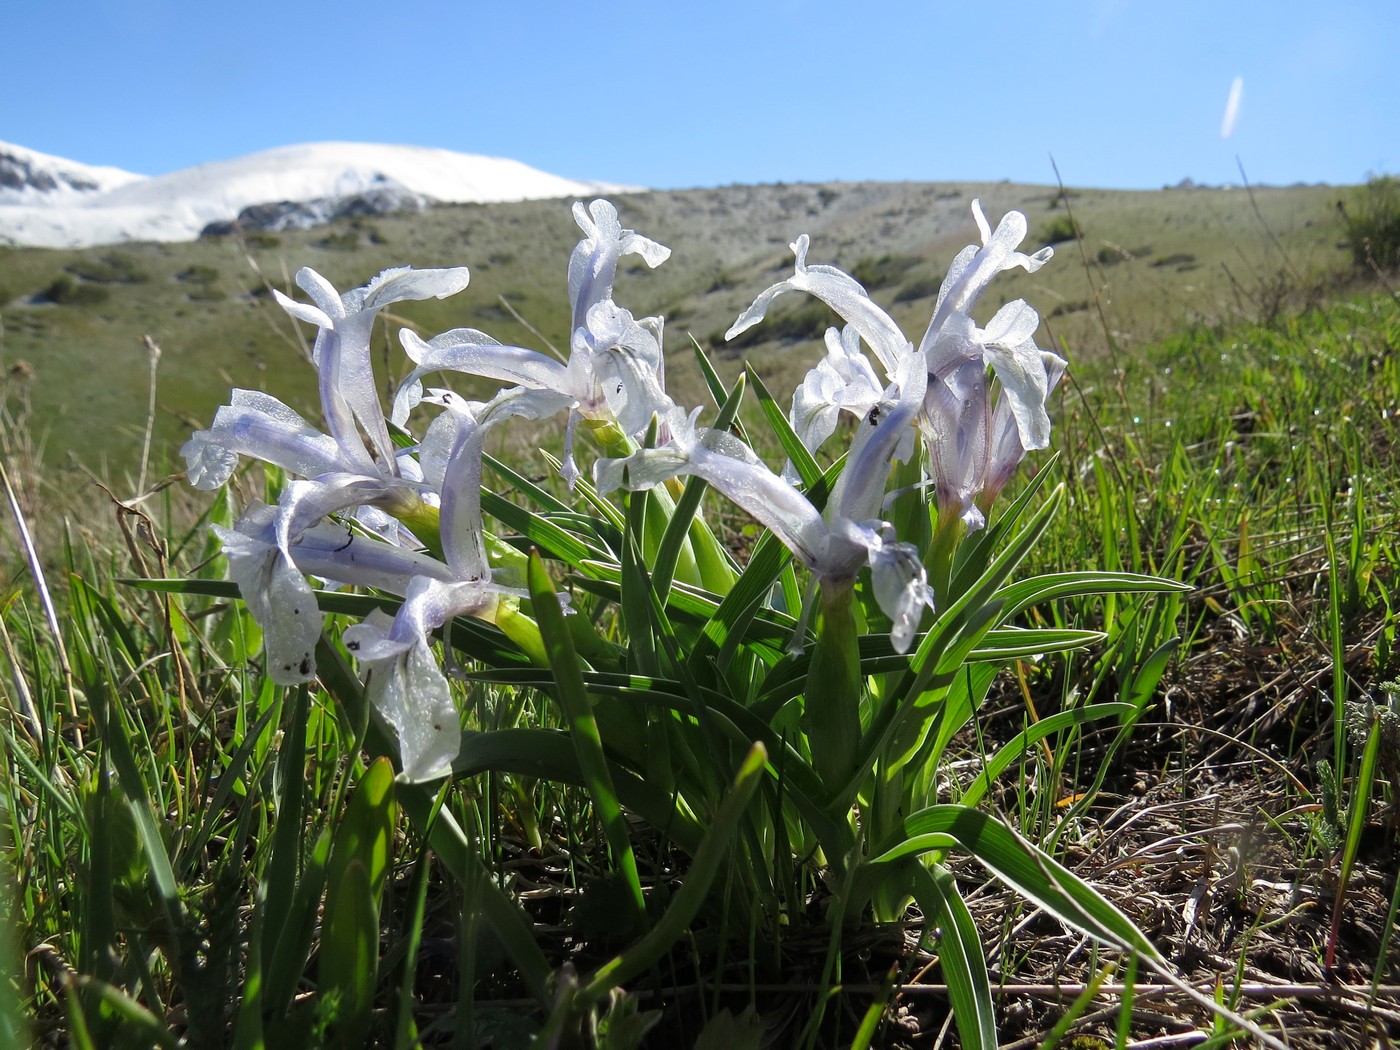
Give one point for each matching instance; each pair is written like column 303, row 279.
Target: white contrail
column 1232, row 108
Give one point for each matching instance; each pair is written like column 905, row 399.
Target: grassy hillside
column 1146, row 263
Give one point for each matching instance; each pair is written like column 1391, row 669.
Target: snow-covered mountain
column 51, row 202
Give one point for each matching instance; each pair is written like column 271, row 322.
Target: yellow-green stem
column 834, row 686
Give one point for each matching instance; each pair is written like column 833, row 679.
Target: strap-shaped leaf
column 943, row 654
column 974, row 553
column 715, row 385
column 584, row 489
column 445, row 835
column 726, row 628
column 548, row 754
column 539, row 531
column 713, row 382
column 683, row 515
column 684, row 906
column 787, row 679
column 523, row 485
column 971, row 601
column 691, row 605
column 1024, row 593
column 636, row 587
column 1033, row 874
column 1001, row 644
column 736, row 721
column 349, row 955
column 572, row 697
column 356, row 874
column 960, row 955
column 797, row 454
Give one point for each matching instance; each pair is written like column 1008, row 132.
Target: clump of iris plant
column 838, row 660
column 410, row 521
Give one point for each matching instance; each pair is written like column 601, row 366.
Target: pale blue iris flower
column 273, row 550
column 835, row 543
column 270, row 554
column 956, row 418
column 613, row 381
column 348, row 468
column 403, row 681
column 1007, row 449
column 358, row 444
column 355, row 467
column 593, row 264
column 615, row 371
column 403, row 678
column 842, row 381
column 258, row 425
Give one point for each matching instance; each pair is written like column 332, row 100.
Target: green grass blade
column 248, row 1031
column 231, row 774
column 1010, row 752
column 405, row 1030
column 141, row 805
column 136, row 1021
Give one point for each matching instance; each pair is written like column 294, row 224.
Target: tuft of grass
column 1372, row 218
column 65, row 291
column 1057, row 231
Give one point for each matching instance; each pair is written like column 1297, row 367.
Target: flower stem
column 834, row 686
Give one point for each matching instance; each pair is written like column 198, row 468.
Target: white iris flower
column 615, row 371
column 835, row 543
column 258, row 425
column 956, row 420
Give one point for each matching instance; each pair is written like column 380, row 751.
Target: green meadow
column 194, row 856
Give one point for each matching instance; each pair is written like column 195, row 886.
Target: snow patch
column 30, row 177
column 84, row 206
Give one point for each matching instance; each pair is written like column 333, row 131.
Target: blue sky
column 1122, row 93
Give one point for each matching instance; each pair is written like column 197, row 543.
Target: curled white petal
column 407, row 283
column 257, row 425
column 901, row 589
column 408, row 689
column 976, row 266
column 842, row 381
column 277, row 595
column 593, row 264
column 842, row 292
